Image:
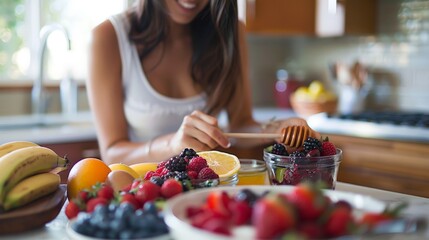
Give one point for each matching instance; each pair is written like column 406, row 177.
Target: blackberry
column 169, row 175
column 312, row 143
column 157, row 180
column 176, row 164
column 188, row 153
column 297, row 154
column 181, row 176
column 247, row 195
column 279, row 149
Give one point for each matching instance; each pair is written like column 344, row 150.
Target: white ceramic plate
column 77, row 236
column 175, row 210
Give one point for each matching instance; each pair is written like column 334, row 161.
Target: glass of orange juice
column 252, row 172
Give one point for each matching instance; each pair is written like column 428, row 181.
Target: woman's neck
column 178, row 31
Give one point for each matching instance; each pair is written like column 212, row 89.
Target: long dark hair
column 215, row 59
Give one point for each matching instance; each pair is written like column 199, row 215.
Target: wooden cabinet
column 390, row 165
column 310, row 17
column 74, row 151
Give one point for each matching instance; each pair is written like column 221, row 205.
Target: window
column 21, row 22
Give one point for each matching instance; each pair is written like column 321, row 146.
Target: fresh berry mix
column 187, row 168
column 303, row 213
column 121, row 221
column 316, row 160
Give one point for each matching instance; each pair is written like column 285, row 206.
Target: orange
column 223, row 164
column 84, row 174
column 124, row 167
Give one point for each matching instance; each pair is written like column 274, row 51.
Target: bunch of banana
column 24, row 167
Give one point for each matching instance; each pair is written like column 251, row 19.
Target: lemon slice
column 123, row 167
column 223, row 164
column 142, row 168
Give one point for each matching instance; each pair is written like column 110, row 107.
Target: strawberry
column 196, row 164
column 328, row 149
column 309, row 200
column 311, row 230
column 219, row 202
column 370, row 219
column 242, row 212
column 170, row 188
column 272, row 216
column 217, row 225
column 148, row 191
column 129, row 198
column 207, row 173
column 339, row 222
column 106, row 192
column 72, row 210
column 94, row 202
column 83, row 196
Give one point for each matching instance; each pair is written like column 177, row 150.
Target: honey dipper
column 292, row 136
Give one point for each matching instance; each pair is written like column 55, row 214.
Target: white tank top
column 148, row 113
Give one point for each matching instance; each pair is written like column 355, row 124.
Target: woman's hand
column 200, row 132
column 277, row 126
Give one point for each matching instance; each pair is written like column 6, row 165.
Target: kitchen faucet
column 38, row 97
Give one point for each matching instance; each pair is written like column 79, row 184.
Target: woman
column 161, row 72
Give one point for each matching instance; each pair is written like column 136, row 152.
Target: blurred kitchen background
column 353, row 57
column 390, row 38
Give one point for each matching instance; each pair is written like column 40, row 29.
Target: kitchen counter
column 418, row 206
column 56, row 128
column 48, row 129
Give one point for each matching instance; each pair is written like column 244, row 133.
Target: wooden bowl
column 306, row 108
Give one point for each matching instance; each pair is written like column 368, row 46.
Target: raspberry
column 161, row 164
column 196, row 164
column 192, row 174
column 148, row 175
column 207, row 173
column 313, row 153
column 170, row 188
column 328, row 149
column 279, row 149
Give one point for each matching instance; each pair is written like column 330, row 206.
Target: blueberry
column 150, row 208
column 126, row 234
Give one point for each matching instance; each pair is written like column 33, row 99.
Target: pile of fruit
column 303, row 213
column 28, row 172
column 100, row 191
column 316, row 160
column 188, row 167
column 315, row 92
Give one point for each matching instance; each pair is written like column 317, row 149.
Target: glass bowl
column 286, row 170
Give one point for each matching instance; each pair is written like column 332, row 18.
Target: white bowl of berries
column 314, row 161
column 268, row 212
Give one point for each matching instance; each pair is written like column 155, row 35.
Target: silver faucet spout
column 38, row 96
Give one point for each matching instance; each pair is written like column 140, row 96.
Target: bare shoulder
column 104, row 34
